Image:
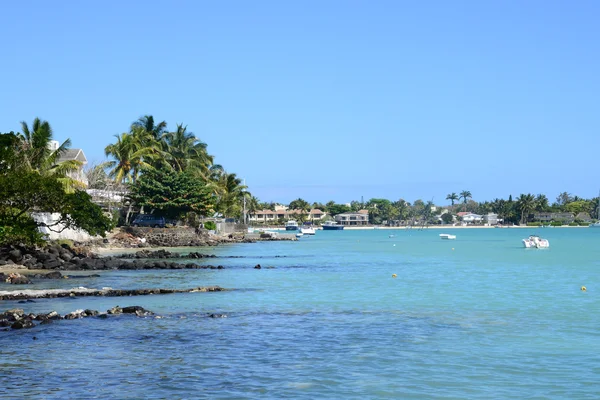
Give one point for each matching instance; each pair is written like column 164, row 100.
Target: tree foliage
column 172, row 193
column 23, row 193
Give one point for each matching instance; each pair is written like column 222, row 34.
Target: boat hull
column 333, row 228
column 536, row 244
column 291, row 228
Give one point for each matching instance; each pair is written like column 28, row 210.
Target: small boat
column 299, row 234
column 332, row 226
column 307, row 230
column 291, row 225
column 534, row 241
column 392, row 236
column 447, row 236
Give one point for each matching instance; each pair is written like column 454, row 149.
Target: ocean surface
column 479, row 317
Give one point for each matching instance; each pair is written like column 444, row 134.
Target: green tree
column 541, row 203
column 525, row 205
column 447, row 218
column 335, row 209
column 35, row 153
column 24, row 192
column 465, row 195
column 452, row 197
column 172, row 194
column 185, row 152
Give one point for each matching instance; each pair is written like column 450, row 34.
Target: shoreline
column 370, row 227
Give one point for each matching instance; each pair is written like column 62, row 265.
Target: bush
column 534, row 224
column 210, row 225
column 556, row 223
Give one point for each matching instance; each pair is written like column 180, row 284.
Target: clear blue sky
column 326, row 100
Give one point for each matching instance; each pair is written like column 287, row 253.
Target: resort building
column 353, row 218
column 282, row 213
column 558, row 217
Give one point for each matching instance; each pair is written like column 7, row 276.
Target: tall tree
column 37, row 154
column 465, row 195
column 452, row 197
column 525, row 205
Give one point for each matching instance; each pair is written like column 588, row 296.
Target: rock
column 257, row 266
column 102, row 316
column 22, row 324
column 115, row 310
column 90, row 313
column 15, row 255
column 137, row 310
column 217, row 316
column 53, row 275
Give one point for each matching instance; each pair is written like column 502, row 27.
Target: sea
column 353, row 314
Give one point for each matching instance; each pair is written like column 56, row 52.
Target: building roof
column 73, row 154
column 363, row 212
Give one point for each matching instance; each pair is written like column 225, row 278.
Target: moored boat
column 291, row 225
column 332, row 226
column 307, row 230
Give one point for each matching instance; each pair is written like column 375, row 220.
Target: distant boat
column 332, row 226
column 291, row 225
column 534, row 241
column 299, row 234
column 447, row 236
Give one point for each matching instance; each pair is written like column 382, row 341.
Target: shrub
column 534, row 224
column 210, row 225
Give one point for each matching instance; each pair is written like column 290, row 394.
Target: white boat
column 534, row 241
column 307, row 230
column 447, row 236
column 299, row 234
column 291, row 225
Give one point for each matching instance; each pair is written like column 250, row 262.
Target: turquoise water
column 477, row 317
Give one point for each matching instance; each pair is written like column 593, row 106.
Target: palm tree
column 147, row 123
column 184, row 151
column 132, row 152
column 525, row 205
column 453, row 197
column 35, row 153
column 230, row 193
column 465, row 195
column 541, row 202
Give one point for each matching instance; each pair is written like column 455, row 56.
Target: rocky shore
column 106, row 292
column 17, row 319
column 65, row 258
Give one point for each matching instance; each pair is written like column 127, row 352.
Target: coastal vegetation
column 171, row 173
column 34, row 180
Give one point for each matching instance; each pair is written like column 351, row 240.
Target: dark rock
column 102, row 316
column 5, row 323
column 137, row 310
column 53, row 275
column 217, row 316
column 46, row 321
column 257, row 266
column 15, row 255
column 22, row 324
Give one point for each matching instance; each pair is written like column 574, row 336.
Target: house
column 472, row 218
column 583, row 216
column 69, row 155
column 360, row 217
column 282, row 213
column 492, row 219
column 566, row 218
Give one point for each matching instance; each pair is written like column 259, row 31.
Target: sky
column 325, row 100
